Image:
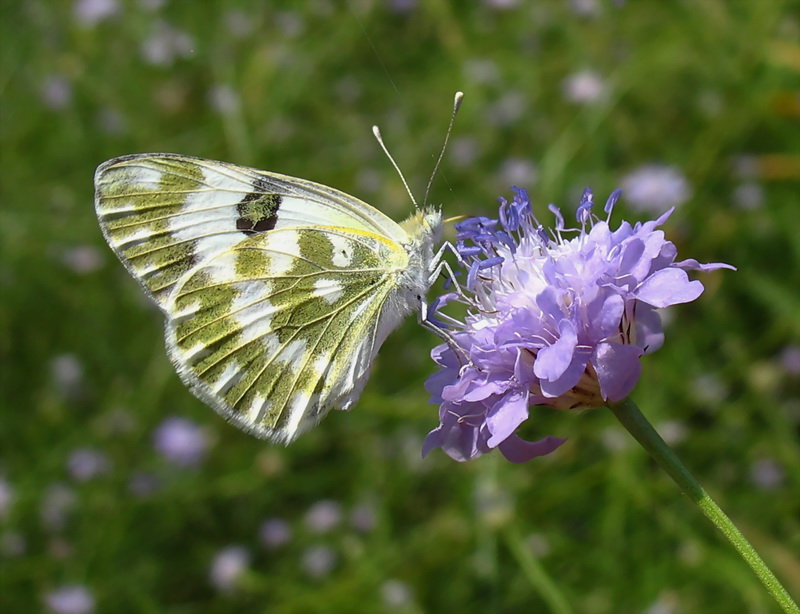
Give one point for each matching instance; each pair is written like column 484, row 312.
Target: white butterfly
column 277, row 291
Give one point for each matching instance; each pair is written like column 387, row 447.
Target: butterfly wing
column 284, row 325
column 165, row 214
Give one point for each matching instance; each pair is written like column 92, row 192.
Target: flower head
column 181, row 442
column 557, row 318
column 70, row 599
column 228, row 566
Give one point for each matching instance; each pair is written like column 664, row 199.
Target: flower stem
column 637, row 425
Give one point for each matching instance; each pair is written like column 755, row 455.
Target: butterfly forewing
column 164, row 214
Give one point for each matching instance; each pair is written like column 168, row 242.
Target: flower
column 86, row 463
column 70, row 599
column 558, row 319
column 323, row 516
column 654, row 187
column 91, row 12
column 584, row 87
column 319, row 561
column 57, row 503
column 275, row 532
column 7, row 497
column 228, row 566
column 181, row 441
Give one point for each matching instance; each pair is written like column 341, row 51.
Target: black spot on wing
column 258, row 211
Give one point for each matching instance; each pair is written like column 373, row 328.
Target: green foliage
column 703, row 87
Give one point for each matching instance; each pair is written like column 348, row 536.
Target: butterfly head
column 424, row 228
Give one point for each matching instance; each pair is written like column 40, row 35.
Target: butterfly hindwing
column 282, row 327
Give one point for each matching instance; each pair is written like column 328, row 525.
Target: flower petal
column 504, row 418
column 618, row 369
column 668, row 287
column 552, row 361
column 518, row 450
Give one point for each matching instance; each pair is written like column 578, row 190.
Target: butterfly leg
column 428, row 313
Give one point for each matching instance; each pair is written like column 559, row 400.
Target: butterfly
column 277, row 291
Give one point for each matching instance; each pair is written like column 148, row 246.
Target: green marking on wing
column 272, row 338
column 136, row 199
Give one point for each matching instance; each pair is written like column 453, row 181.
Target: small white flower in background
column 655, row 187
column 614, row 440
column 111, row 121
column 238, row 23
column 85, row 464
column 151, row 5
column 585, row 8
column 7, row 497
column 672, row 431
column 538, row 544
column 165, row 45
column 519, row 170
column 67, row 373
column 181, row 441
column 395, row 593
column 12, row 544
column 508, row 110
column 584, row 87
column 82, row 259
column 143, row 484
column 369, row 180
column 56, row 92
column 70, row 599
column 289, row 24
column 57, row 502
column 502, row 5
column 223, row 99
column 363, row 519
column 323, row 516
column 749, row 196
column 767, row 474
column 228, row 566
column 790, row 359
column 275, row 532
column 745, row 166
column 709, row 389
column 91, row 12
column 666, row 603
column 319, row 561
column 481, row 70
column 402, row 6
column 59, row 548
column 464, row 151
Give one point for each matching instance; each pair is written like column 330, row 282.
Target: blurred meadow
column 120, row 492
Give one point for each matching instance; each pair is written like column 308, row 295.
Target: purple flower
column 7, row 497
column 57, row 503
column 323, row 516
column 228, row 566
column 91, row 12
column 181, row 442
column 275, row 532
column 85, row 464
column 319, row 561
column 654, row 187
column 558, row 319
column 70, row 599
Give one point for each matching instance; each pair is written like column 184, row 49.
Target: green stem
column 632, row 419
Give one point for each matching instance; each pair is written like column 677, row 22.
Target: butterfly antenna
column 456, row 105
column 377, row 132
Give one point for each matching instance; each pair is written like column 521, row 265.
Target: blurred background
column 120, row 492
